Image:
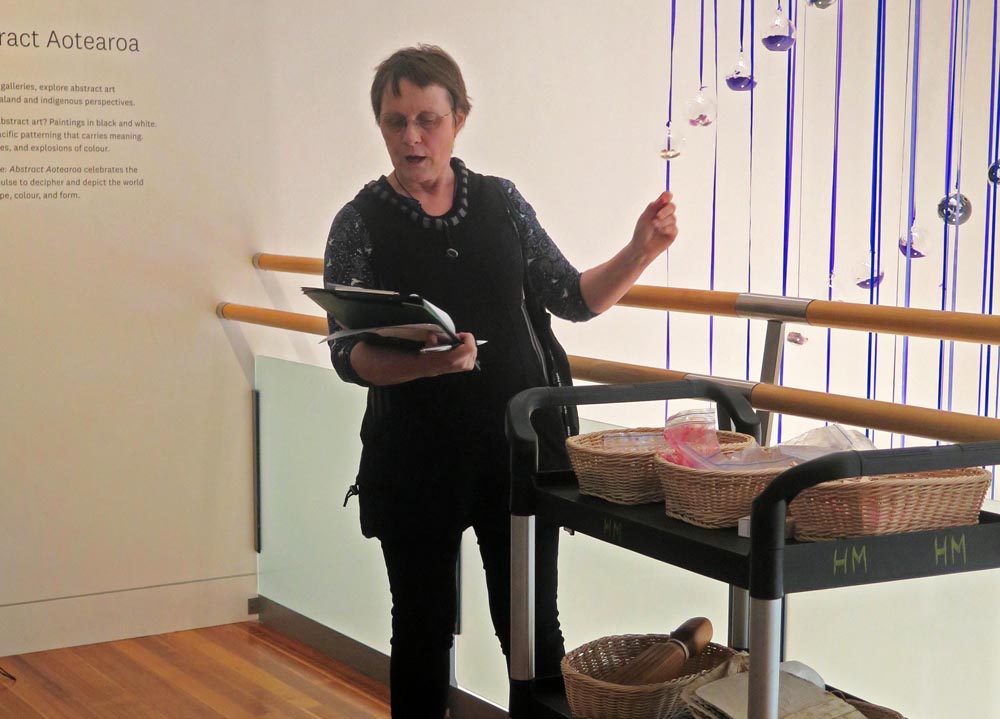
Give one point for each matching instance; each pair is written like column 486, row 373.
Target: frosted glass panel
column 315, row 561
column 313, row 558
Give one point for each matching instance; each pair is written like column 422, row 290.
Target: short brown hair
column 422, row 65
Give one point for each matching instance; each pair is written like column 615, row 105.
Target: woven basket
column 589, row 696
column 871, row 711
column 710, row 498
column 890, row 504
column 626, row 476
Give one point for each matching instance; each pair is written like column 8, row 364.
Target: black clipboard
column 383, row 316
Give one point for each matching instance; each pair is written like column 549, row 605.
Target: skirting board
column 368, row 661
column 121, row 614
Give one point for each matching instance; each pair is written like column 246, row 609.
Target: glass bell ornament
column 994, row 172
column 955, row 209
column 673, row 143
column 702, row 109
column 779, row 33
column 821, row 4
column 740, row 78
column 915, row 245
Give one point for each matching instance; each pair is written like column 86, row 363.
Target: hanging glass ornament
column 673, row 143
column 740, row 78
column 862, row 275
column 915, row 245
column 702, row 109
column 796, row 338
column 955, row 209
column 993, row 173
column 779, row 33
column 821, row 4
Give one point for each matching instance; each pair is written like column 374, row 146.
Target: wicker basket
column 710, row 498
column 626, row 476
column 589, row 696
column 871, row 711
column 890, row 504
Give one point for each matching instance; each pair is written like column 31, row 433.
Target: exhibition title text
column 75, row 41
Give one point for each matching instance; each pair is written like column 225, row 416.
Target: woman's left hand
column 656, row 228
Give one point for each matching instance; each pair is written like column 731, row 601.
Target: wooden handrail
column 935, row 324
column 273, row 318
column 288, row 263
column 876, row 414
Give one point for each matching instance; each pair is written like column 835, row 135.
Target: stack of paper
column 797, row 699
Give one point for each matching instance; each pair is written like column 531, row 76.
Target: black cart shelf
column 769, row 566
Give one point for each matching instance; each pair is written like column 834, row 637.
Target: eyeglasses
column 426, row 121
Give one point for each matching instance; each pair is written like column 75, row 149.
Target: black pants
column 422, row 579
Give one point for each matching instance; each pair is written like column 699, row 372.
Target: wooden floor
column 244, row 671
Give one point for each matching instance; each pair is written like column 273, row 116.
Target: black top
column 435, row 452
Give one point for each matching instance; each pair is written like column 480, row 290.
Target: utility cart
column 764, row 567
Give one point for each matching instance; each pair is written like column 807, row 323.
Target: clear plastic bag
column 690, row 436
column 802, row 448
column 632, row 441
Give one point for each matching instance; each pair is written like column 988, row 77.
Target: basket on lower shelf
column 708, row 497
column 624, row 474
column 890, row 504
column 585, row 668
column 870, row 711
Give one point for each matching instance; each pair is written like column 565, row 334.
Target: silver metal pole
column 770, row 371
column 739, row 617
column 765, row 648
column 522, row 598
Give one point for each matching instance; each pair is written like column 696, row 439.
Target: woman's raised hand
column 656, row 228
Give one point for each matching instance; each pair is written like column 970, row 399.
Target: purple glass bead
column 796, row 338
column 993, row 172
column 909, row 251
column 870, row 282
column 741, row 83
column 778, row 43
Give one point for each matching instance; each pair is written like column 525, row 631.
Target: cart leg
column 522, row 597
column 522, row 610
column 739, row 615
column 765, row 649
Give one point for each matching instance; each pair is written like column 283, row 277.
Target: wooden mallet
column 662, row 661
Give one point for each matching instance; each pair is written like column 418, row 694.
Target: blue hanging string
column 958, row 189
column 982, row 400
column 789, row 145
column 670, row 114
column 911, row 206
column 989, row 241
column 949, row 156
column 742, row 12
column 701, row 48
column 670, row 87
column 831, row 261
column 789, row 135
column 875, row 233
column 753, row 47
column 715, row 185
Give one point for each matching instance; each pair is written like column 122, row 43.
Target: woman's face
column 420, row 149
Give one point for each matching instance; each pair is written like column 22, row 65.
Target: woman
column 435, row 457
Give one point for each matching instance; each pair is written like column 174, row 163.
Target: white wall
column 125, row 428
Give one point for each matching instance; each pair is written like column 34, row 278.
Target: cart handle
column 767, row 516
column 524, row 441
